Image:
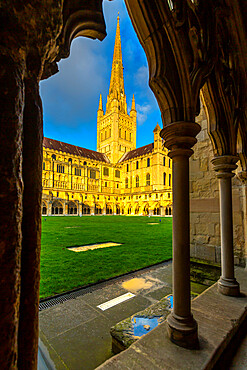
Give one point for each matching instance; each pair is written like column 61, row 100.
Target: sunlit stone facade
column 117, row 179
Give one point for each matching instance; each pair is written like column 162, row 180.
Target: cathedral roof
column 138, row 152
column 74, row 150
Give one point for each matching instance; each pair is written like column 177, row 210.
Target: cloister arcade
column 192, row 48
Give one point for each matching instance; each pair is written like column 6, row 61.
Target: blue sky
column 71, row 97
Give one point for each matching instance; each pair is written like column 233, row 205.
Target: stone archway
column 108, row 209
column 85, row 209
column 146, row 210
column 57, row 208
column 44, row 208
column 98, row 209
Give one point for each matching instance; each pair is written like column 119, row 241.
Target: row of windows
column 106, row 134
column 137, row 180
column 69, row 160
column 124, row 135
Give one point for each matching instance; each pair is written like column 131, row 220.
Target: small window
column 106, row 184
column 126, row 182
column 169, row 163
column 148, row 179
column 117, row 186
column 53, row 156
column 43, row 165
column 57, row 194
column 70, row 160
column 137, row 181
column 169, row 195
column 77, row 171
column 106, row 171
column 92, row 174
column 130, row 136
column 164, row 178
column 117, row 173
column 120, row 133
column 84, row 163
column 137, row 165
column 125, row 135
column 148, row 162
column 127, row 167
column 164, row 161
column 170, row 178
column 157, row 196
column 60, row 168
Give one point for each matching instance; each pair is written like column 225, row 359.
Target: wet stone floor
column 76, row 334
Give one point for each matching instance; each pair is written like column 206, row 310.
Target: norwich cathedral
column 118, row 178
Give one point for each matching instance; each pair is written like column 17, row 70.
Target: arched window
column 137, row 181
column 170, row 179
column 148, row 179
column 127, row 167
column 43, row 165
column 169, row 163
column 53, row 156
column 148, row 162
column 137, row 165
column 126, row 182
column 164, row 178
column 164, row 161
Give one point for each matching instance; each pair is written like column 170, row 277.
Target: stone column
column 243, row 177
column 224, row 165
column 11, row 189
column 31, row 225
column 179, row 138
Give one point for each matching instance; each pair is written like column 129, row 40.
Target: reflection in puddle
column 133, row 285
column 142, row 325
column 170, row 299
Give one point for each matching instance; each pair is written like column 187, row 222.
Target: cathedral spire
column 100, row 103
column 133, row 105
column 116, row 90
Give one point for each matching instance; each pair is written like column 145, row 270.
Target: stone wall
column 204, row 203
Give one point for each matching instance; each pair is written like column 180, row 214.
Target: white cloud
column 141, row 76
column 142, row 113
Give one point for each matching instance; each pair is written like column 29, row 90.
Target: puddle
column 133, row 285
column 170, row 299
column 143, row 325
column 84, row 248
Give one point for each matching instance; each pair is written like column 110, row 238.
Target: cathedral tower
column 116, row 129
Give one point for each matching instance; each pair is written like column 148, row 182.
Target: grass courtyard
column 145, row 241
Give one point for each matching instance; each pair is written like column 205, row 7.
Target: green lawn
column 62, row 269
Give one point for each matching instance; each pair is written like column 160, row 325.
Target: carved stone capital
column 224, row 165
column 180, row 137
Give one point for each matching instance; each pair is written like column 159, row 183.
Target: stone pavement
column 218, row 318
column 76, row 334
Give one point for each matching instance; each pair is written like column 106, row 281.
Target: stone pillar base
column 228, row 287
column 183, row 331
